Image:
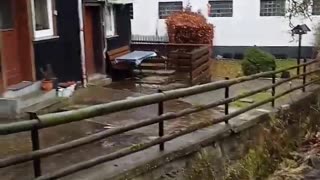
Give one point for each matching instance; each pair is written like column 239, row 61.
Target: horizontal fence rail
column 55, row 119
column 159, row 98
column 107, row 133
column 126, row 151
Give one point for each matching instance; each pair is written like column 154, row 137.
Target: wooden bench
column 113, row 54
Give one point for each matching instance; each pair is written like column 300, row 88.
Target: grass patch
column 232, row 68
column 256, row 98
column 286, row 63
column 226, row 68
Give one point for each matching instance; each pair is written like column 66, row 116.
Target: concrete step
column 12, row 107
column 164, row 87
column 150, row 72
column 34, row 86
column 96, row 76
column 42, row 106
column 152, row 66
column 155, row 80
column 100, row 82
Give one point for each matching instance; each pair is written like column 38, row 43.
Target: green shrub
column 256, row 61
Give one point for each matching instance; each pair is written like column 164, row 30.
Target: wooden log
column 179, row 55
column 201, row 69
column 136, row 148
column 197, row 53
column 107, row 133
column 183, row 62
column 183, row 69
column 201, row 77
column 200, row 61
column 59, row 118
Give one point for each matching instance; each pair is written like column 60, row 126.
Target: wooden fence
column 191, row 61
column 193, row 66
column 49, row 120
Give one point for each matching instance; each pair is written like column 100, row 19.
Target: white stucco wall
column 245, row 28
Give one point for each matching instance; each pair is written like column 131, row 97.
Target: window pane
column 6, row 19
column 41, row 14
column 221, row 8
column 167, row 8
column 272, row 8
column 316, row 7
column 110, row 18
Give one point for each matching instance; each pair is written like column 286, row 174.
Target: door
column 10, row 56
column 93, row 40
column 16, row 45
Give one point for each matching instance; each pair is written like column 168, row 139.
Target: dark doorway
column 93, row 40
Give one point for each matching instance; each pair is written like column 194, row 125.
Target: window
column 167, row 8
column 110, row 18
column 221, row 8
column 131, row 10
column 6, row 19
column 42, row 18
column 272, row 7
column 316, row 7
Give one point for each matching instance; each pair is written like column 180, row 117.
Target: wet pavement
column 19, row 143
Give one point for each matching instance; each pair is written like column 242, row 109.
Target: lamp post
column 300, row 30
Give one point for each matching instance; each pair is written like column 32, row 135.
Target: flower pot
column 47, row 85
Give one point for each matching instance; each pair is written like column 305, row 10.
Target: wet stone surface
column 20, row 143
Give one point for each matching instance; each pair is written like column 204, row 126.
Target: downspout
column 82, row 51
column 104, row 30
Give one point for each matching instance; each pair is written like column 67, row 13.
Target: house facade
column 35, row 33
column 72, row 36
column 238, row 24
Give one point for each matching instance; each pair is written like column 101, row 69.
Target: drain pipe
column 82, row 51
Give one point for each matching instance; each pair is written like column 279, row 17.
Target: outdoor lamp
column 300, row 30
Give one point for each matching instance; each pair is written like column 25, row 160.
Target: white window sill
column 46, row 38
column 112, row 36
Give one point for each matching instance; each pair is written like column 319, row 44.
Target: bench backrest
column 113, row 54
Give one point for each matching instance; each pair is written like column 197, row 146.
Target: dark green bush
column 256, row 61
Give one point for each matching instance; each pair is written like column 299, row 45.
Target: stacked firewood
column 189, row 27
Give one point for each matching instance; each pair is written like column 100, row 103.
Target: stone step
column 164, row 87
column 42, row 107
column 155, row 80
column 25, row 89
column 100, row 82
column 149, row 72
column 12, row 107
column 152, row 66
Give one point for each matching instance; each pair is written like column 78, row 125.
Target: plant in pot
column 48, row 77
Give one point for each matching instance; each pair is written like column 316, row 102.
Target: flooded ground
column 20, row 143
